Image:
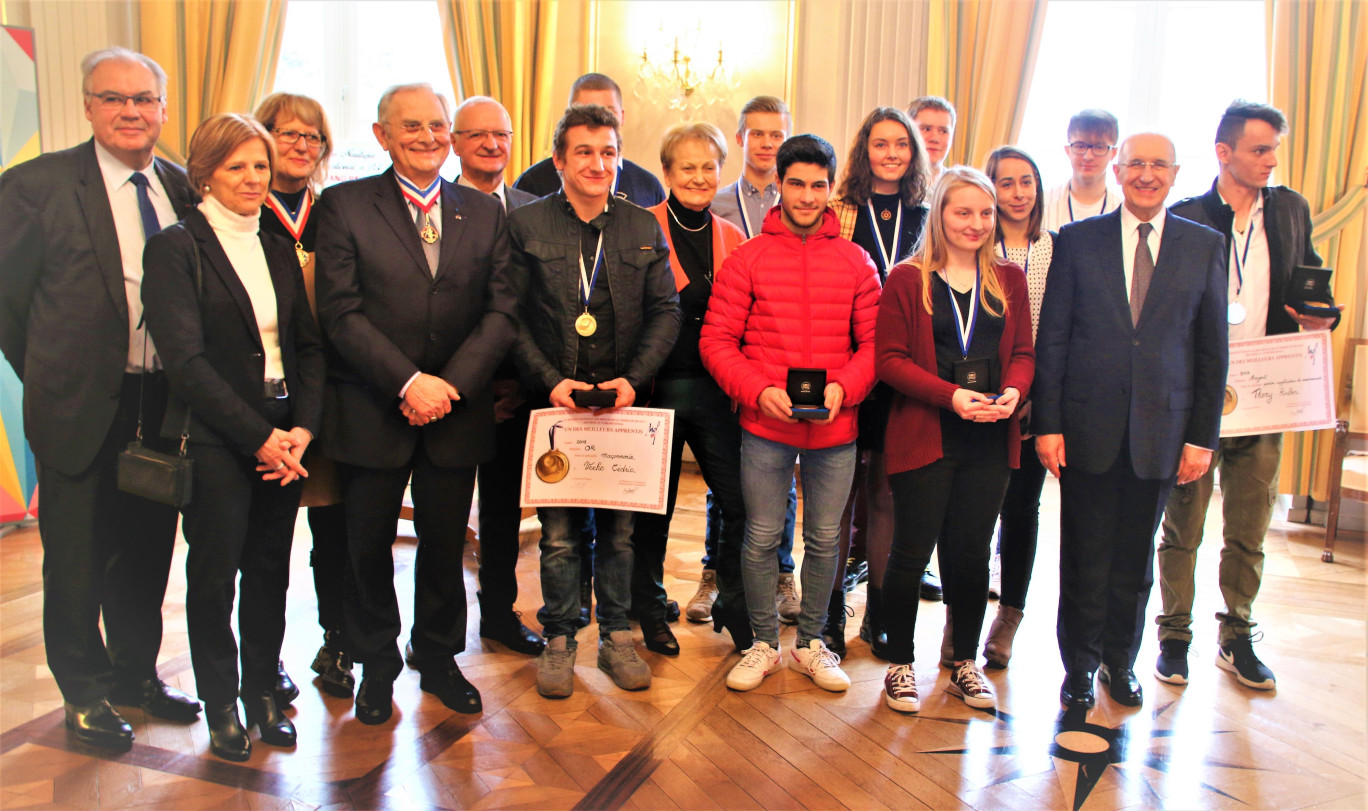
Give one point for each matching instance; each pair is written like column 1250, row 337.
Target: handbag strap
column 142, row 378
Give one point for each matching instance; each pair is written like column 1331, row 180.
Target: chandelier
column 679, row 71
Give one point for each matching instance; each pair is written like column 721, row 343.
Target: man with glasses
column 483, row 139
column 1091, row 146
column 417, row 299
column 71, row 326
column 1268, row 229
column 1130, row 380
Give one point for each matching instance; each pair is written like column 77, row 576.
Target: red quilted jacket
column 787, row 301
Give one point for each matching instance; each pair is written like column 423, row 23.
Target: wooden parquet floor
column 688, row 742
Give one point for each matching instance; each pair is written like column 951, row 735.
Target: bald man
column 1130, row 376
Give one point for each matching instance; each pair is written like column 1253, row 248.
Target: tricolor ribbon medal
column 423, row 200
column 294, row 221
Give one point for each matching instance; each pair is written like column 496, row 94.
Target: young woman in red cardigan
column 954, row 342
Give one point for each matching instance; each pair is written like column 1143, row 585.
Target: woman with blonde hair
column 954, row 342
column 225, row 305
column 303, row 142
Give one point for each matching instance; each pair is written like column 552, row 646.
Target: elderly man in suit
column 1130, row 373
column 418, row 303
column 482, row 138
column 71, row 326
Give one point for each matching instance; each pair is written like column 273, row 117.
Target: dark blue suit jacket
column 1160, row 382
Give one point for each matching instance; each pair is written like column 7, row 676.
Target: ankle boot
column 227, row 738
column 736, row 622
column 872, row 628
column 833, row 633
column 998, row 649
column 264, row 713
column 947, row 650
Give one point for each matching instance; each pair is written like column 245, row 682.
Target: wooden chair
column 1349, row 469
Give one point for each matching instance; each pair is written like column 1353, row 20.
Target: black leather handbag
column 165, row 478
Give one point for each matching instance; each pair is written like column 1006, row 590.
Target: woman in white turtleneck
column 242, row 354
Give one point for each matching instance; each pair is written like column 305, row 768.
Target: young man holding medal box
column 600, row 315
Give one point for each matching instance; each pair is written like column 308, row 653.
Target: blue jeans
column 766, row 472
column 560, row 568
column 785, row 551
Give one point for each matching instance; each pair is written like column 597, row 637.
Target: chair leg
column 1341, row 447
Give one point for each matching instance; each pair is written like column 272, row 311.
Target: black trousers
column 105, row 552
column 1107, row 523
column 957, row 501
column 500, row 480
column 237, row 525
column 1020, row 527
column 441, row 508
column 328, row 559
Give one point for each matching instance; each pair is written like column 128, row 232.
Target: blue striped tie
column 149, row 214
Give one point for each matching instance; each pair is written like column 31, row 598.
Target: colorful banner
column 19, row 141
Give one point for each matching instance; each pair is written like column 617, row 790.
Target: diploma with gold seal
column 616, row 460
column 1279, row 383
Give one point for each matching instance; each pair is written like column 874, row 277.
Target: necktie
column 432, row 250
column 149, row 214
column 1141, row 272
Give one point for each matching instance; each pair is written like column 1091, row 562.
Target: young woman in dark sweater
column 954, row 342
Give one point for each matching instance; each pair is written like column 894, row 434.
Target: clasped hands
column 978, row 407
column 427, row 399
column 560, row 395
column 279, row 456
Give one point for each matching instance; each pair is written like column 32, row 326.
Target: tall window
column 344, row 53
column 1169, row 66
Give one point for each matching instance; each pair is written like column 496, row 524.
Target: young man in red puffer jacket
column 795, row 297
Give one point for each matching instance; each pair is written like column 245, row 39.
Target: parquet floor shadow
column 688, row 742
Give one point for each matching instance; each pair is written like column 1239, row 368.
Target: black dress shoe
column 333, row 666
column 736, row 623
column 227, row 738
column 931, row 587
column 286, row 691
column 672, row 611
column 99, row 724
column 1122, row 685
column 871, row 627
column 452, row 687
column 857, row 572
column 156, row 698
column 1077, row 690
column 509, row 631
column 656, row 633
column 375, row 700
column 833, row 633
column 264, row 713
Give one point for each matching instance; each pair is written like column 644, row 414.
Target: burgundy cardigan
column 905, row 358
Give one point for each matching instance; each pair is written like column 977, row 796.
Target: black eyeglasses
column 144, row 102
column 291, row 137
column 1083, row 148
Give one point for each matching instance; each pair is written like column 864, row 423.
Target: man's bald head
column 483, row 139
column 1146, row 165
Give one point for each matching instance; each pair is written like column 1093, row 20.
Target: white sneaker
column 821, row 665
column 900, row 688
column 995, row 576
column 756, row 663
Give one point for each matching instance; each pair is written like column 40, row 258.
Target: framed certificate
column 615, row 460
column 1279, row 383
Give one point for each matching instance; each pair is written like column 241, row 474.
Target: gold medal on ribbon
column 429, row 234
column 886, row 215
column 586, row 325
column 553, row 466
column 301, row 254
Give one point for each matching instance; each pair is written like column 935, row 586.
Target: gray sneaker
column 786, row 600
column 556, row 667
column 618, row 658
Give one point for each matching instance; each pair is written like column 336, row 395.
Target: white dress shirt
column 128, row 226
column 1130, row 237
column 499, row 192
column 1255, row 270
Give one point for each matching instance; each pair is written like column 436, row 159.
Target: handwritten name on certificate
column 617, row 460
column 1279, row 383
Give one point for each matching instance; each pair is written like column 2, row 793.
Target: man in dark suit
column 633, row 182
column 1130, row 375
column 482, row 139
column 416, row 298
column 70, row 325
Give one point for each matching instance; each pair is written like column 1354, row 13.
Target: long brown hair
column 858, row 183
column 990, row 168
column 935, row 247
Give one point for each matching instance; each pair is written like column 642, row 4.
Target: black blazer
column 211, row 347
column 1098, row 377
column 386, row 317
column 63, row 309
